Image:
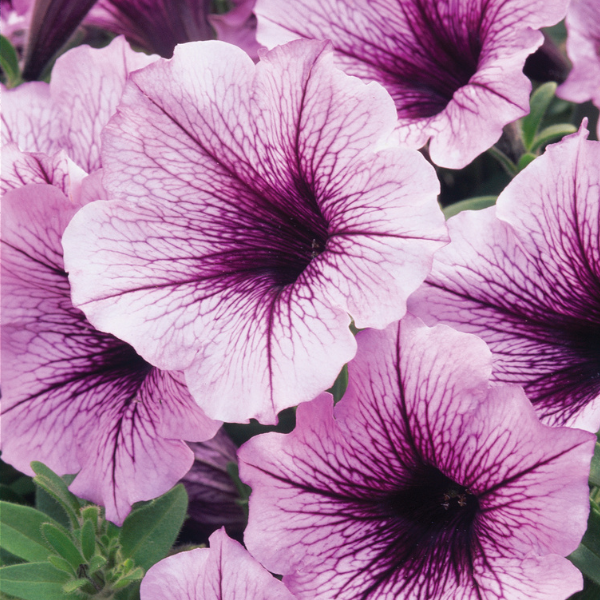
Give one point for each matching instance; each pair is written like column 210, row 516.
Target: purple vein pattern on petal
column 424, row 483
column 70, row 112
column 225, row 571
column 453, row 67
column 583, row 47
column 526, row 278
column 79, row 400
column 252, row 208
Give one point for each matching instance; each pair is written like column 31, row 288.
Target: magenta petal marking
column 225, row 571
column 75, row 398
column 453, row 67
column 428, row 484
column 528, row 282
column 252, row 208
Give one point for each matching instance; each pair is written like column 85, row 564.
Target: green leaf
column 57, row 488
column 130, row 593
column 587, row 562
column 595, row 467
column 60, row 563
column 9, row 61
column 21, row 531
column 507, row 164
column 60, row 540
column 48, row 505
column 525, row 160
column 339, row 386
column 33, row 581
column 88, row 540
column 96, row 563
column 136, row 575
column 539, row 102
column 7, row 558
column 552, row 133
column 469, row 204
column 74, row 584
column 591, row 539
column 149, row 531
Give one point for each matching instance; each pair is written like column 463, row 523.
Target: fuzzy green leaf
column 88, row 540
column 21, row 532
column 539, row 102
column 551, row 134
column 33, row 581
column 62, row 543
column 50, row 482
column 150, row 530
column 9, row 61
column 477, row 203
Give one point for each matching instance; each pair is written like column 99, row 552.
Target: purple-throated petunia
column 252, row 209
column 453, row 67
column 525, row 276
column 225, row 571
column 425, row 482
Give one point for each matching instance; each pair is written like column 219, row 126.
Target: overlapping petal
column 252, row 208
column 79, row 400
column 453, row 67
column 583, row 48
column 225, row 571
column 70, row 112
column 424, row 482
column 526, row 278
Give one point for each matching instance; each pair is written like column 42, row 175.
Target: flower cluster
column 219, row 230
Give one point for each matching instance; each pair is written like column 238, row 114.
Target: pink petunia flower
column 525, row 276
column 424, row 482
column 453, row 67
column 252, row 209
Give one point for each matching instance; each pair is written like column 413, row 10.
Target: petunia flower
column 70, row 112
column 252, row 209
column 424, row 482
column 525, row 276
column 583, row 48
column 211, row 491
column 453, row 67
column 158, row 26
column 15, row 16
column 224, row 572
column 77, row 399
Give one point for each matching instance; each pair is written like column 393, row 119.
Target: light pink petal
column 225, row 571
column 87, row 84
column 238, row 27
column 583, row 48
column 30, row 119
column 252, row 209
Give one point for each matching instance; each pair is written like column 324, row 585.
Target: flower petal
column 75, row 398
column 224, row 572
